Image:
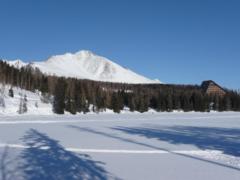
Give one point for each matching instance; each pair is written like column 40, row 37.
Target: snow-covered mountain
column 86, row 65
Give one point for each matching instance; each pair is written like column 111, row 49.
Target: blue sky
column 175, row 41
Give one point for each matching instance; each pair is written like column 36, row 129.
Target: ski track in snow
column 213, row 155
column 107, row 120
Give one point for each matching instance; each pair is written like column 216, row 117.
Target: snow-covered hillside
column 86, row 65
column 11, row 105
column 37, row 104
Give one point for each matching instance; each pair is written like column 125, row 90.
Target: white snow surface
column 162, row 146
column 86, row 65
column 34, row 104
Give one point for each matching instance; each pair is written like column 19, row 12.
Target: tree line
column 75, row 95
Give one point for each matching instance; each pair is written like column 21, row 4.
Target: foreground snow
column 126, row 146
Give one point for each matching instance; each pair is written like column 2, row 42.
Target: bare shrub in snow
column 23, row 105
column 2, row 101
column 46, row 98
column 11, row 93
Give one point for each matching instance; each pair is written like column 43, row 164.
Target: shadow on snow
column 172, row 135
column 212, row 138
column 46, row 159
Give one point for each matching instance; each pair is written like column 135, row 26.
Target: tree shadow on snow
column 114, row 136
column 172, row 137
column 46, row 159
column 212, row 138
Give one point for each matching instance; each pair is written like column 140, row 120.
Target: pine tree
column 70, row 104
column 116, row 103
column 59, row 97
column 169, row 103
column 161, row 103
column 185, row 102
column 10, row 92
column 82, row 104
column 197, row 101
column 100, row 100
column 70, row 100
column 176, row 102
column 227, row 102
column 131, row 103
column 216, row 102
column 142, row 102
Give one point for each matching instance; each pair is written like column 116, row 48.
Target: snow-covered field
column 176, row 146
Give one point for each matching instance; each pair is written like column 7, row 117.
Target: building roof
column 205, row 85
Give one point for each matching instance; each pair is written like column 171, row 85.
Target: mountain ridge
column 85, row 64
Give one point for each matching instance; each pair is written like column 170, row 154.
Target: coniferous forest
column 74, row 95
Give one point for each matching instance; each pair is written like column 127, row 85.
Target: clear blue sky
column 176, row 41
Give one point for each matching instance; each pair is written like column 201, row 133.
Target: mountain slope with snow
column 34, row 102
column 86, row 65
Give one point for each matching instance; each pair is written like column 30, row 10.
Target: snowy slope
column 36, row 106
column 86, row 65
column 17, row 63
column 11, row 104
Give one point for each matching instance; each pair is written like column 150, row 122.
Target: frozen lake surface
column 161, row 146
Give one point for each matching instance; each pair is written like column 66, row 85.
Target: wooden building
column 212, row 88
